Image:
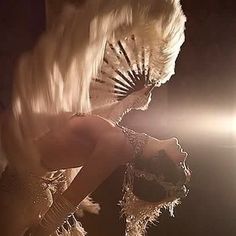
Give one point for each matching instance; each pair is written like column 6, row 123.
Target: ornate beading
column 137, row 140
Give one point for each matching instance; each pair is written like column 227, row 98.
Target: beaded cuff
column 57, row 214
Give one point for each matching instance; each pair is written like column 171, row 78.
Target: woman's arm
column 138, row 100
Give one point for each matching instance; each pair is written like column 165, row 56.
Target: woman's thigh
column 70, row 145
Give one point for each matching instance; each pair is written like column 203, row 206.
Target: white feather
column 56, row 76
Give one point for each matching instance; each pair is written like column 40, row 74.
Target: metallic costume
column 147, row 188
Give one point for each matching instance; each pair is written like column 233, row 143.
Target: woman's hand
column 170, row 146
column 139, row 99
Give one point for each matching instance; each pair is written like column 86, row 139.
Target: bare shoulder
column 90, row 125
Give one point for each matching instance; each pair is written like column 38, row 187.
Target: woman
column 97, row 145
column 51, row 124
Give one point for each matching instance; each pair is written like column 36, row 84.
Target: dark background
column 197, row 105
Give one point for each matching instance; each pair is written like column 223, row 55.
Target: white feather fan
column 116, row 43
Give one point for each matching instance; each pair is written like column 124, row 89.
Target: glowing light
column 203, row 123
column 234, row 124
